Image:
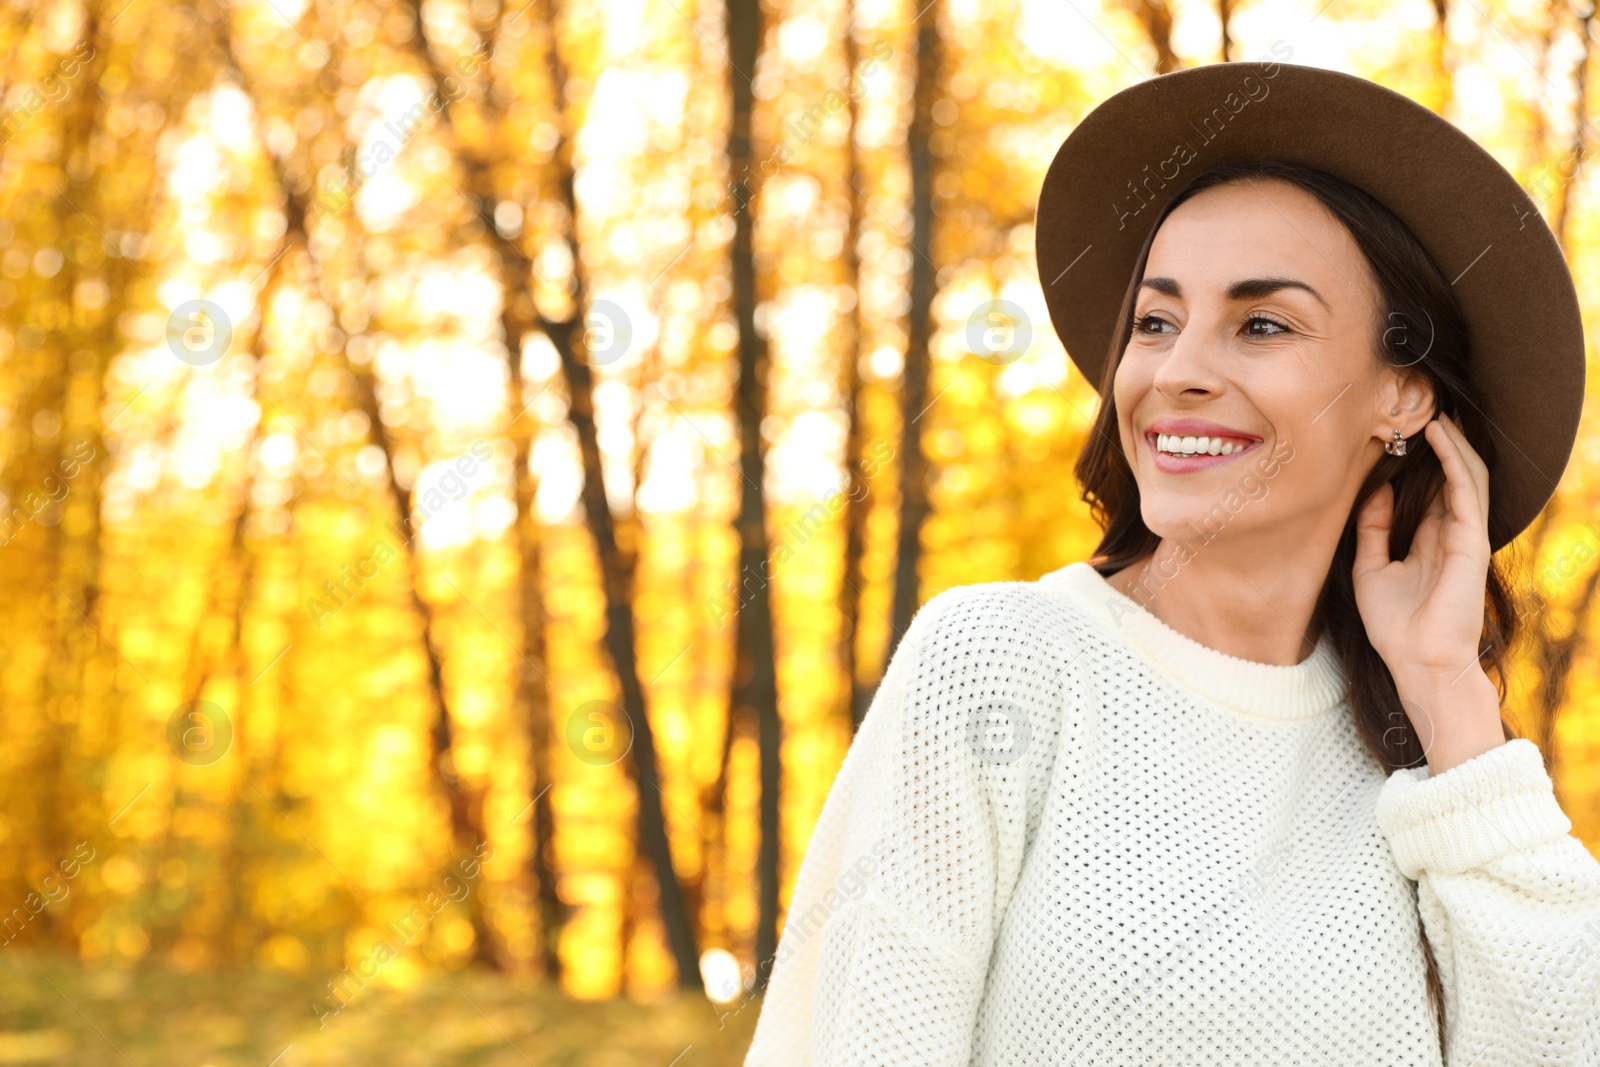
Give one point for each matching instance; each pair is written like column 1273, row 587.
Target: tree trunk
column 1570, row 167
column 1440, row 42
column 76, row 393
column 914, row 473
column 755, row 690
column 1156, row 18
column 1533, row 145
column 1556, row 657
column 618, row 581
column 858, row 488
column 534, row 697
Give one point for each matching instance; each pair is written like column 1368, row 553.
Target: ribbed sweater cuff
column 1493, row 804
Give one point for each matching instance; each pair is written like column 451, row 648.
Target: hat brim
column 1127, row 158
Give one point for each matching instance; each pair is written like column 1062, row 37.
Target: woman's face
column 1249, row 398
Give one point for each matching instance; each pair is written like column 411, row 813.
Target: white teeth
column 1194, row 445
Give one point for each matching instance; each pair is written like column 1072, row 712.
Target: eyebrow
column 1244, row 289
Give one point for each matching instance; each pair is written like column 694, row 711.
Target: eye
column 1139, row 323
column 1278, row 326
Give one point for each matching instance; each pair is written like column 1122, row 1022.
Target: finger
column 1475, row 463
column 1438, row 502
column 1372, row 530
column 1436, row 512
column 1461, row 488
column 1425, row 542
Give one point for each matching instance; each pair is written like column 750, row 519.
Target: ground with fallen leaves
column 54, row 1011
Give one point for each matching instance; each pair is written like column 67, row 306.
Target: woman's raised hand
column 1424, row 613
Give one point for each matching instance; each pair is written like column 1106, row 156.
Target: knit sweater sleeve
column 888, row 934
column 1510, row 904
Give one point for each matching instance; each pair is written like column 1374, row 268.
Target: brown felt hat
column 1129, row 156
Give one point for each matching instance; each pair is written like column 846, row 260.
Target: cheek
column 1327, row 421
column 1131, row 379
column 1316, row 460
column 1128, row 388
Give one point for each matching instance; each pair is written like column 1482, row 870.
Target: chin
column 1172, row 520
column 1199, row 522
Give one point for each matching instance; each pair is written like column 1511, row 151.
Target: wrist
column 1455, row 719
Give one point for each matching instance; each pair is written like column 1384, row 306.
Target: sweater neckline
column 1309, row 688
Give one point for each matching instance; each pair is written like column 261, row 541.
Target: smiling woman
column 1273, row 356
column 1262, row 809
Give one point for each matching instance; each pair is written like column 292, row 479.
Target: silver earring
column 1397, row 447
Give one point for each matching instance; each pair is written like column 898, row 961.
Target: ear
column 1405, row 403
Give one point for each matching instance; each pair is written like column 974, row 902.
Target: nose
column 1187, row 368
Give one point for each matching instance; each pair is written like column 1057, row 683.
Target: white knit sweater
column 1068, row 834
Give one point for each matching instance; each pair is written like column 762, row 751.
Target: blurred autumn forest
column 464, row 465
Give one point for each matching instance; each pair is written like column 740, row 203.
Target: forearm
column 1510, row 902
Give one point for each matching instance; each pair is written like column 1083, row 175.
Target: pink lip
column 1171, row 464
column 1197, row 428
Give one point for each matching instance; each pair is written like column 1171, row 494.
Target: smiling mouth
column 1184, row 445
column 1182, row 453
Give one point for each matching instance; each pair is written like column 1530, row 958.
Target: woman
column 1237, row 790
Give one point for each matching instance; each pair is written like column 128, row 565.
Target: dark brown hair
column 1419, row 327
